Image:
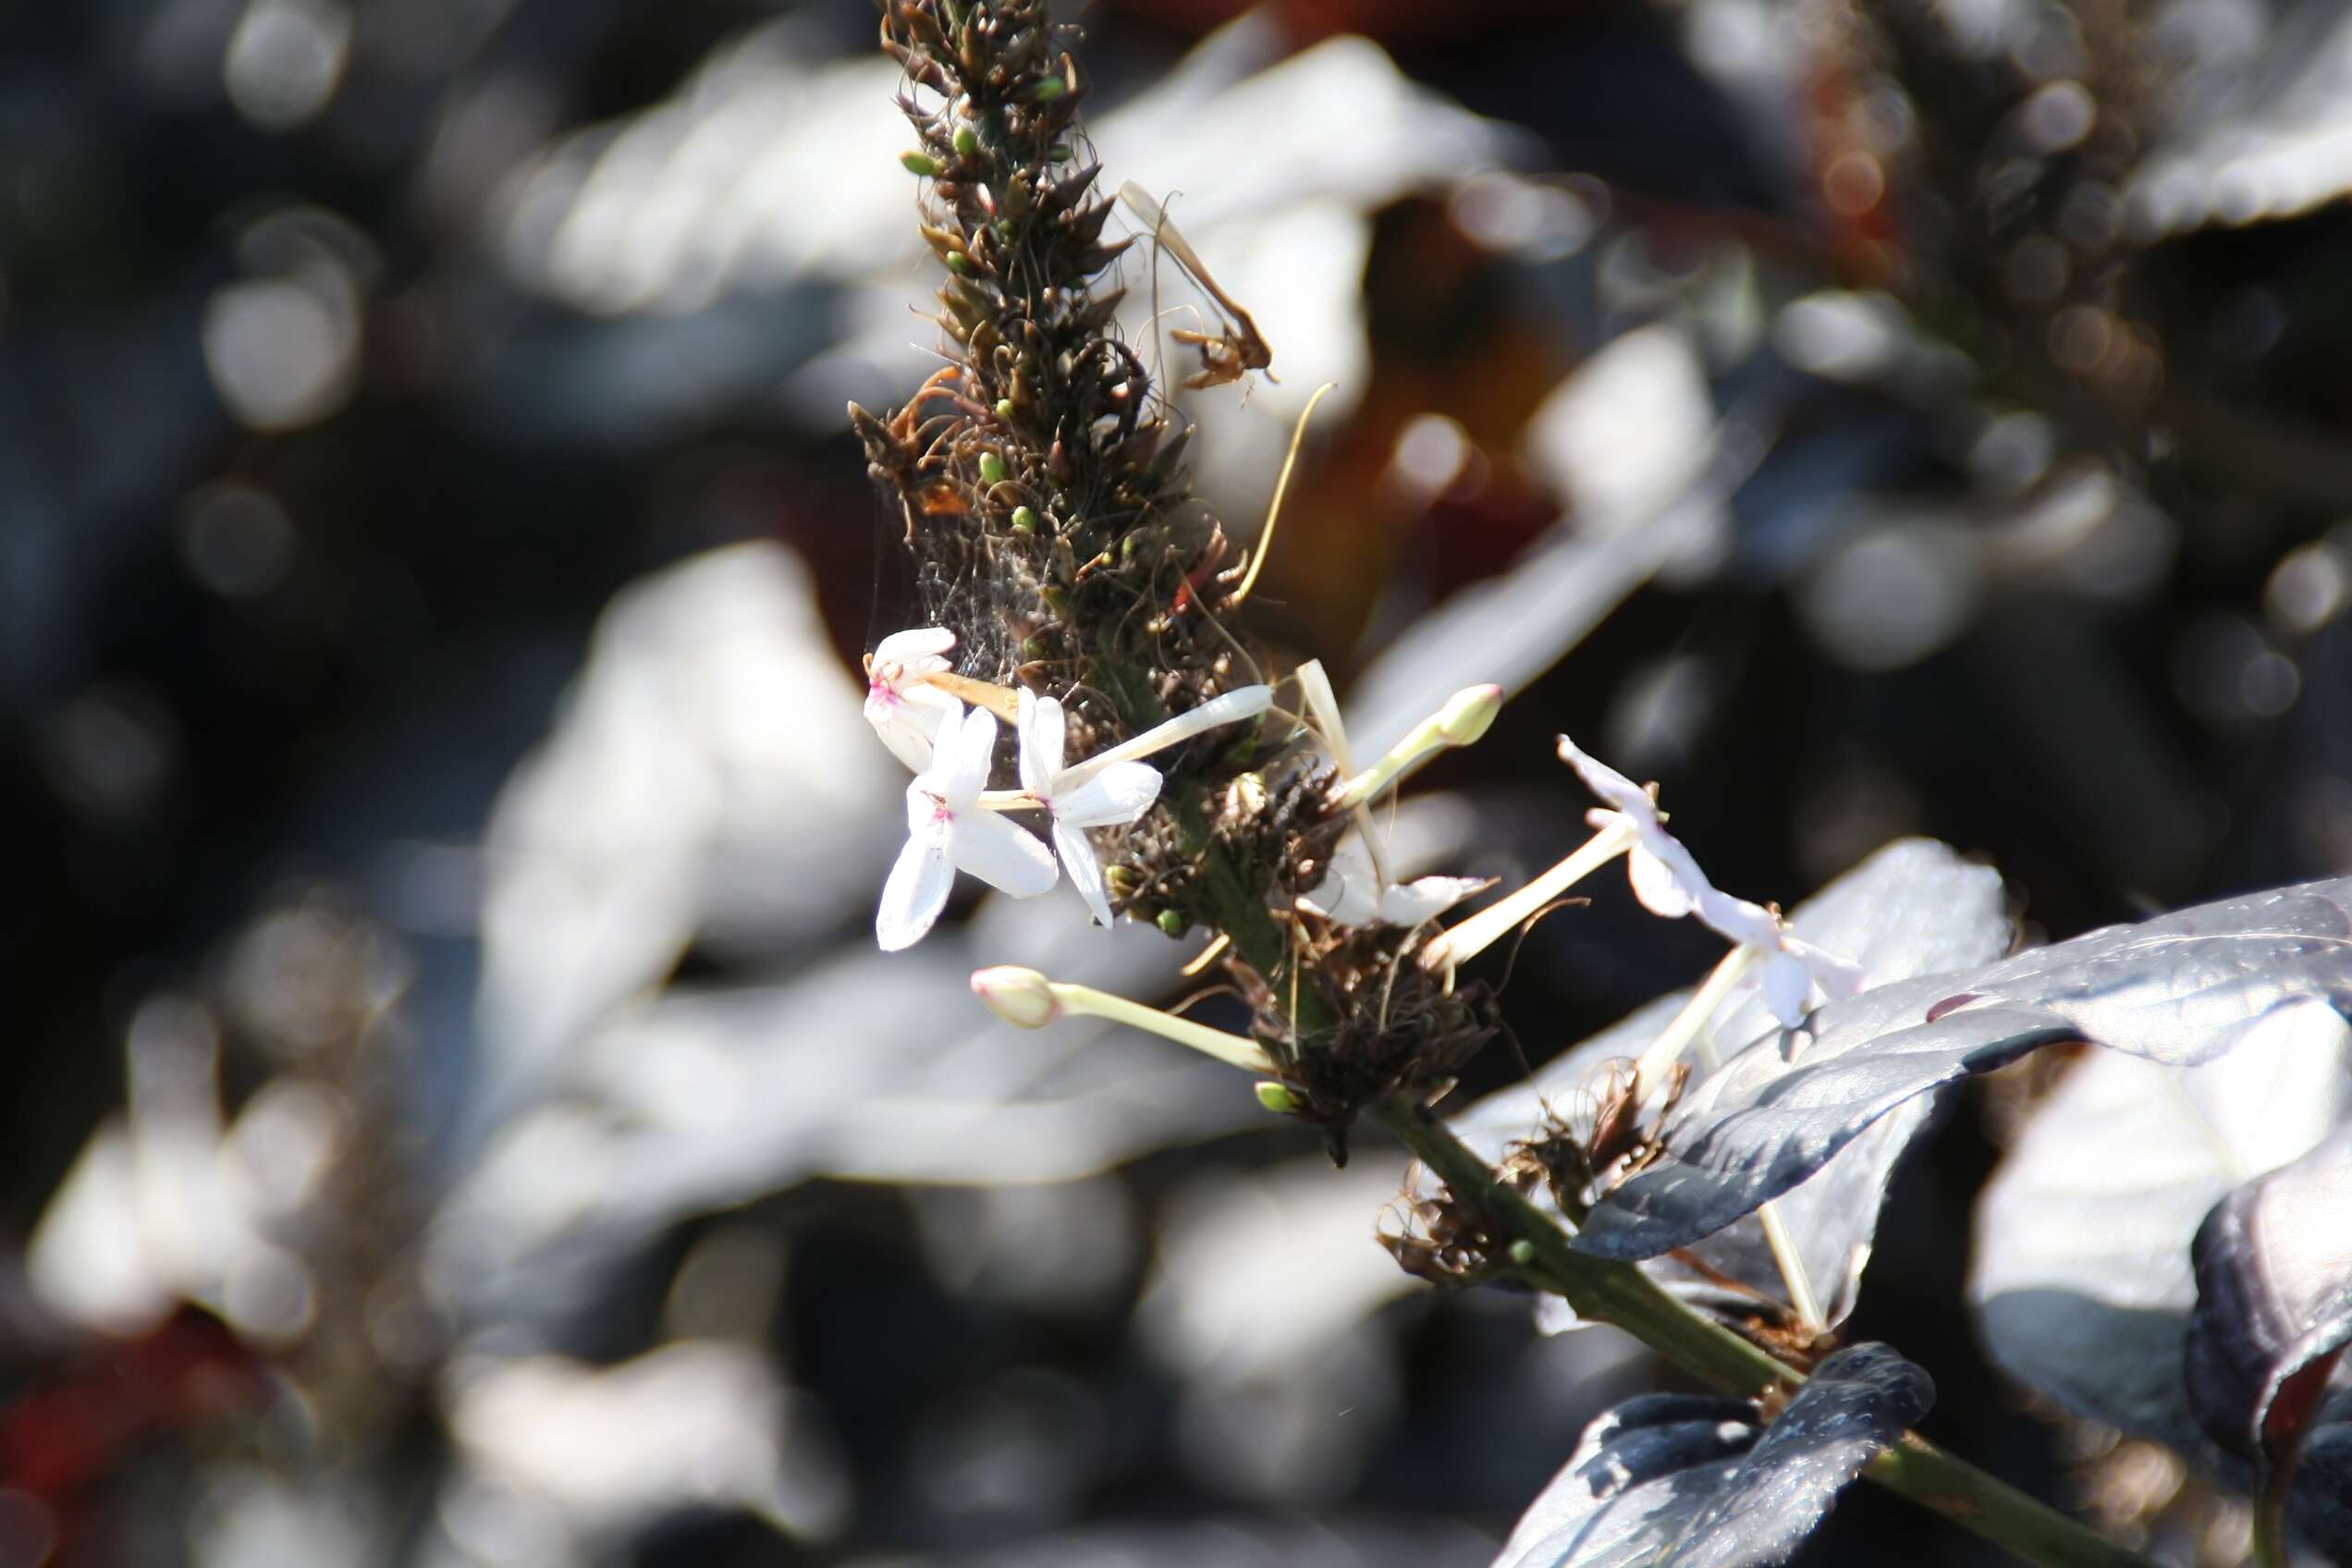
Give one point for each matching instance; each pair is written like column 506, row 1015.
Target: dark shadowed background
column 454, row 1112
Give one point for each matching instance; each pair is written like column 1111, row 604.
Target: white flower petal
column 1344, row 897
column 1655, row 884
column 1611, row 784
column 915, row 892
column 1043, row 727
column 908, row 743
column 1426, row 897
column 1002, row 855
column 960, row 764
column 927, row 707
column 1787, row 987
column 920, row 643
column 1085, row 872
column 1836, row 976
column 1120, row 793
column 1739, row 920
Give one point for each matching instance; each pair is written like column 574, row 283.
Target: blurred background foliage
column 454, row 1114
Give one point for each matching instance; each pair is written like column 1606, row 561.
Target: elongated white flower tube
column 1229, row 707
column 904, row 709
column 947, row 830
column 1115, row 795
column 1027, row 999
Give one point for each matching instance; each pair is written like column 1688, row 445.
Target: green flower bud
column 1046, row 91
column 1024, row 521
column 967, row 140
column 959, row 264
column 1004, row 408
column 1172, row 921
column 923, row 163
column 1523, row 1253
column 1277, row 1098
column 993, row 470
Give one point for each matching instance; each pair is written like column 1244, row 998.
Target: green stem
column 1621, row 1293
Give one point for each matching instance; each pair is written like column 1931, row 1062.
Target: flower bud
column 1024, row 521
column 967, row 140
column 1468, row 714
column 993, row 470
column 923, row 163
column 1277, row 1098
column 1018, row 996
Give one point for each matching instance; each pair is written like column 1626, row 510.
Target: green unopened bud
column 1004, row 408
column 1034, row 647
column 967, row 140
column 1465, row 716
column 923, row 163
column 1060, row 153
column 1024, row 521
column 1049, row 90
column 1523, row 1253
column 959, row 264
column 1469, row 713
column 1019, row 997
column 993, row 470
column 1172, row 922
column 1278, row 1099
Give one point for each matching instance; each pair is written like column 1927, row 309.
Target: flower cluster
column 951, row 814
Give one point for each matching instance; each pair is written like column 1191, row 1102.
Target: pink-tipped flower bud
column 1021, row 997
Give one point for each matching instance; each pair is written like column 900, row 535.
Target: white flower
column 1668, row 881
column 904, row 710
column 1792, row 966
column 1665, row 878
column 1352, row 893
column 1110, row 795
column 948, row 829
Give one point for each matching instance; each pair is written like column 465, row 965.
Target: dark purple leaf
column 1685, row 1481
column 2273, row 1265
column 2180, row 989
